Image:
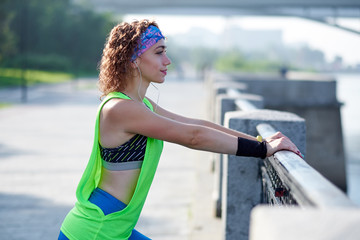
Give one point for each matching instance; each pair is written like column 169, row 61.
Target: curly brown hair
column 115, row 65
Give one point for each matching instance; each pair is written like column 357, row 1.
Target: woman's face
column 153, row 63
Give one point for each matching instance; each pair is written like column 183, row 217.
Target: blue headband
column 151, row 36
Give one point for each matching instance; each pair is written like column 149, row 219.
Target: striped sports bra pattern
column 128, row 155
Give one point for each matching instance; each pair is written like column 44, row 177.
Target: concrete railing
column 313, row 98
column 320, row 210
column 243, row 183
column 299, row 181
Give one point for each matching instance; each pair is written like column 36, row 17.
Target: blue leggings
column 108, row 204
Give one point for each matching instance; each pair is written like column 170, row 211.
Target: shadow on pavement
column 8, row 151
column 28, row 217
column 79, row 92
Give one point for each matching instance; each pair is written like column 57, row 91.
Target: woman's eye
column 161, row 52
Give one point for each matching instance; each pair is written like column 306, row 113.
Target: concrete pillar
column 224, row 104
column 241, row 175
column 220, row 88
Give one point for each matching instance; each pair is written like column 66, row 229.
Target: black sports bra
column 129, row 155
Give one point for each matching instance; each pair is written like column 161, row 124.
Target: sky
column 332, row 41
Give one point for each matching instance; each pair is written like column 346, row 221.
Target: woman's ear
column 135, row 64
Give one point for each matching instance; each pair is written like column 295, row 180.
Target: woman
column 129, row 133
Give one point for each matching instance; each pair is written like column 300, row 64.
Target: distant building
column 258, row 44
column 337, row 64
column 252, row 40
column 246, row 40
column 197, row 37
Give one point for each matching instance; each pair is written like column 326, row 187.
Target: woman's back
column 119, row 183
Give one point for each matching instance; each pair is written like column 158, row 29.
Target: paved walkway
column 44, row 147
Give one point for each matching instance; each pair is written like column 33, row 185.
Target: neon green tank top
column 86, row 220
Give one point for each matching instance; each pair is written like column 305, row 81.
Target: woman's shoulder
column 119, row 108
column 116, row 105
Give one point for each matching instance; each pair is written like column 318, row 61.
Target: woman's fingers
column 278, row 142
column 292, row 147
column 276, row 136
column 282, row 143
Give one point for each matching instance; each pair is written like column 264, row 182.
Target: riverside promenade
column 44, row 148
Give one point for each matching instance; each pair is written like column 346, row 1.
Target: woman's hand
column 278, row 142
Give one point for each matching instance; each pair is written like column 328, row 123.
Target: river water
column 348, row 92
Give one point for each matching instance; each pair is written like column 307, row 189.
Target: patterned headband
column 151, row 36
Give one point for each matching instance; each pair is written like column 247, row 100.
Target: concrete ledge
column 289, row 124
column 221, row 87
column 294, row 92
column 273, row 223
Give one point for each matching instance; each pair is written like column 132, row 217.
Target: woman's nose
column 167, row 60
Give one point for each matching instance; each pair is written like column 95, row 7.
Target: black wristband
column 250, row 148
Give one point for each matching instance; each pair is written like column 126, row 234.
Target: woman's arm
column 161, row 111
column 274, row 143
column 130, row 117
column 135, row 118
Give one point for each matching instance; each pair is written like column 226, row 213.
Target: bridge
column 324, row 11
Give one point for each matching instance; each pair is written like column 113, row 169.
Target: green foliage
column 235, row 61
column 230, row 61
column 4, row 105
column 52, row 35
column 7, row 37
column 46, row 62
column 13, row 77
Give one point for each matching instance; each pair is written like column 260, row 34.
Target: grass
column 4, row 105
column 10, row 77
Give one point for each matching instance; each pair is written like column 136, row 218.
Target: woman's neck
column 136, row 90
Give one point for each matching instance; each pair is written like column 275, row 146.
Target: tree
column 230, row 61
column 7, row 45
column 54, row 35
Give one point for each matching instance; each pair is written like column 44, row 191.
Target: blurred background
column 54, row 41
column 44, row 42
column 68, row 36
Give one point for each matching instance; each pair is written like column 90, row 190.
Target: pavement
column 44, row 148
